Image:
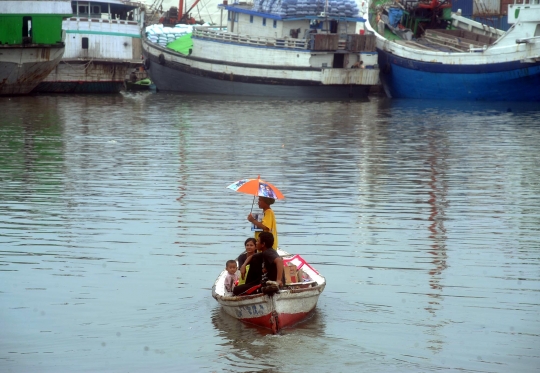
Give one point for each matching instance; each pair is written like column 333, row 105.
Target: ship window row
column 100, row 10
column 231, row 15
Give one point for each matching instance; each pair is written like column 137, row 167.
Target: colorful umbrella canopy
column 256, row 187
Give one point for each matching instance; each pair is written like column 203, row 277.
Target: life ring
column 147, row 64
column 161, row 59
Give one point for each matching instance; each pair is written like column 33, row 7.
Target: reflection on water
column 250, row 346
column 115, row 220
column 437, row 202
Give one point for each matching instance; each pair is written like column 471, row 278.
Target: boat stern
column 358, row 76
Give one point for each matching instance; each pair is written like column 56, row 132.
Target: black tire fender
column 147, row 64
column 161, row 59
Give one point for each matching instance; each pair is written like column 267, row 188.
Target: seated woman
column 250, row 246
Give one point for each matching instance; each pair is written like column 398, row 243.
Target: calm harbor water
column 115, row 221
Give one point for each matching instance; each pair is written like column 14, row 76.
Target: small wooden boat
column 290, row 305
column 141, row 85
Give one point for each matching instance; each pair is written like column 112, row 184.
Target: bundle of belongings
column 294, row 275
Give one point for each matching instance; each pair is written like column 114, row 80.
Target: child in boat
column 250, row 245
column 268, row 223
column 232, row 277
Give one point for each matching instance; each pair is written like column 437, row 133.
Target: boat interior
column 449, row 40
column 299, row 277
column 430, row 25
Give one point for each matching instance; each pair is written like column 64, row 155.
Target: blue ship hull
column 510, row 81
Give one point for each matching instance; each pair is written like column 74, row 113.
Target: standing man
column 268, row 223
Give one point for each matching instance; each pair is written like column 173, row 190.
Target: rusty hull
column 88, row 76
column 22, row 68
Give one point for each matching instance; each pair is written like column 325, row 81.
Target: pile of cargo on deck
column 300, row 8
column 161, row 35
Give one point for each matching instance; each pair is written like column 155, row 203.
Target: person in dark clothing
column 273, row 264
column 269, row 258
column 254, row 275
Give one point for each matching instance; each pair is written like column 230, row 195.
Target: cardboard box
column 290, row 274
column 300, row 275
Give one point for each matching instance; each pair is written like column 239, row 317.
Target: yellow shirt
column 242, row 281
column 269, row 220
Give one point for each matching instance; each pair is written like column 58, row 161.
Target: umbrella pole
column 252, row 203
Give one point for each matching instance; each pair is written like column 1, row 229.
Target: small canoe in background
column 140, row 85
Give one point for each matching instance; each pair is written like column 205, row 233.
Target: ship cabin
column 109, row 10
column 108, row 29
column 334, row 40
column 34, row 23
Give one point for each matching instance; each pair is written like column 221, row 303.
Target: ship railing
column 102, row 20
column 206, row 33
column 530, row 40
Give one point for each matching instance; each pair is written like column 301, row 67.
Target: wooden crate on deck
column 324, row 42
column 361, row 43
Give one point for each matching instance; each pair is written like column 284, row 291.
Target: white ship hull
column 228, row 76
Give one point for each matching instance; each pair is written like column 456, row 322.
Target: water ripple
column 115, row 221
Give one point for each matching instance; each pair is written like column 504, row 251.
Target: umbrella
column 256, row 187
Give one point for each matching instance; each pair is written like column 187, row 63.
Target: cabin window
column 96, row 9
column 83, row 9
column 27, row 27
column 275, row 23
column 84, row 43
column 264, row 21
column 333, row 27
column 537, row 31
column 250, row 19
column 233, row 16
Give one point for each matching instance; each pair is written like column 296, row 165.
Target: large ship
column 428, row 52
column 103, row 45
column 294, row 49
column 31, row 42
